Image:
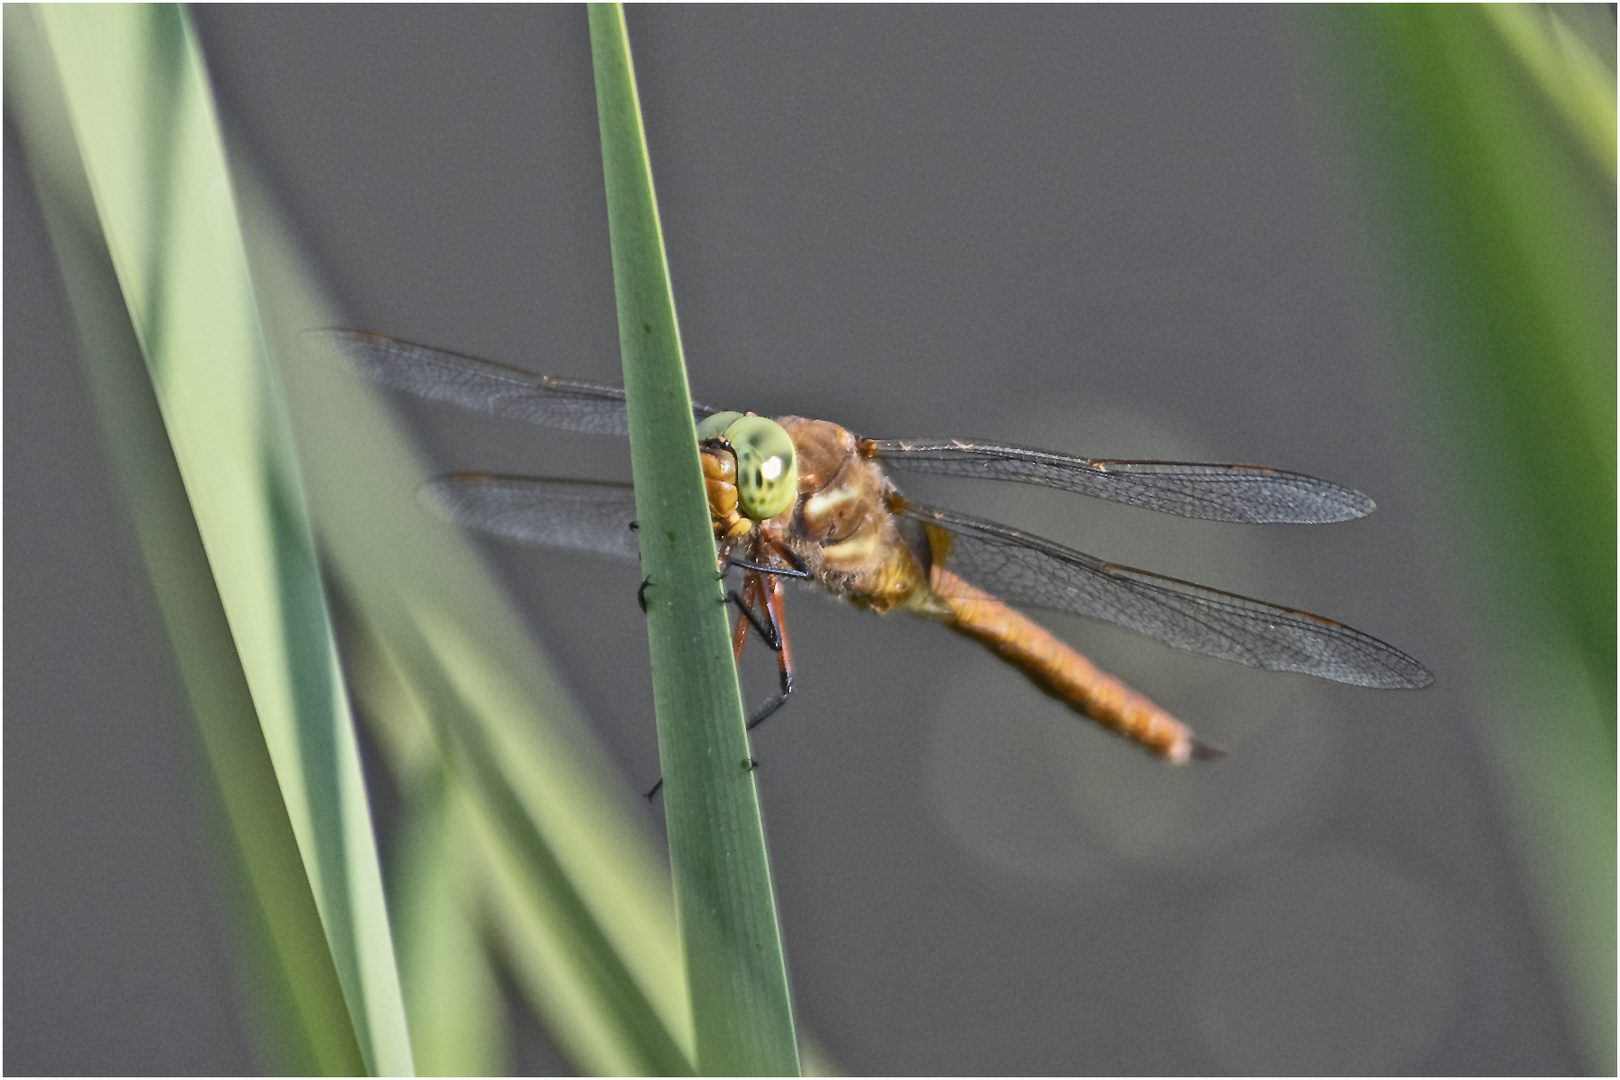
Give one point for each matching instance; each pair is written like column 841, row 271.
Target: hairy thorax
column 839, row 529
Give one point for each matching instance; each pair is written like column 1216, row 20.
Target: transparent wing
column 496, row 389
column 552, row 513
column 1247, row 493
column 1024, row 569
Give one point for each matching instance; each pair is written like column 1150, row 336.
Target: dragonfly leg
column 748, row 763
column 770, row 591
column 766, row 632
column 763, row 590
column 767, row 710
column 761, row 607
column 641, row 594
column 795, row 567
column 745, row 618
column 739, row 637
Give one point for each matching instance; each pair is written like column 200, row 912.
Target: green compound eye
column 714, row 427
column 767, row 466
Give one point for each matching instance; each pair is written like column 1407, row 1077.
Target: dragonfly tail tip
column 1203, row 751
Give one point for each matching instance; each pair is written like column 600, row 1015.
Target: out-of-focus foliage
column 126, row 150
column 1481, row 143
column 519, row 841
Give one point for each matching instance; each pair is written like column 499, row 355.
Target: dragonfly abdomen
column 1058, row 669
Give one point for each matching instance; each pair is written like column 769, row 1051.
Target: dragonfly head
column 767, row 464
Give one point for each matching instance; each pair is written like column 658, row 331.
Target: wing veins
column 1029, row 570
column 485, row 386
column 1213, row 492
column 576, row 515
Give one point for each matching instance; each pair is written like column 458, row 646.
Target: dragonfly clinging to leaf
column 793, row 497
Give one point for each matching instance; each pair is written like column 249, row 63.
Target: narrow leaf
column 143, row 117
column 742, row 1017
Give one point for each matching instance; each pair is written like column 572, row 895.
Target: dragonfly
column 797, row 498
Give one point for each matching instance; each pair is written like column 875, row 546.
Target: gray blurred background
column 1112, row 231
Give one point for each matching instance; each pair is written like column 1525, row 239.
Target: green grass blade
column 742, row 1017
column 558, row 857
column 1490, row 159
column 573, row 900
column 452, row 996
column 301, row 1023
column 602, row 1016
column 1574, row 79
column 296, row 1004
column 144, row 122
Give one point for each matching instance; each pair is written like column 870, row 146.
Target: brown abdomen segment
column 1058, row 669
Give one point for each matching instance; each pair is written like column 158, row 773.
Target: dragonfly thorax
column 842, row 531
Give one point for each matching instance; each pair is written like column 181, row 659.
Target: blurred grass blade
column 566, row 931
column 452, row 995
column 143, row 119
column 299, row 1022
column 1574, row 79
column 1494, row 204
column 741, row 1012
column 551, row 905
column 570, row 893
